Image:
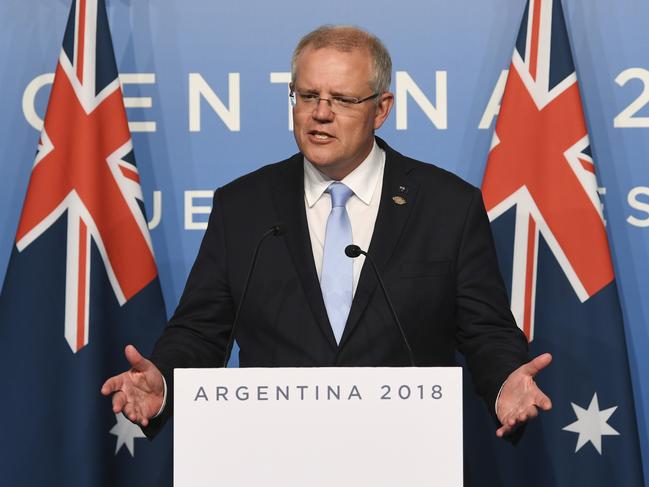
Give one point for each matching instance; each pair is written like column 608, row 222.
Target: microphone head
column 353, row 251
column 279, row 229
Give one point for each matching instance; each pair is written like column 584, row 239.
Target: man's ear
column 383, row 107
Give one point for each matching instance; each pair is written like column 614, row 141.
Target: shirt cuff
column 495, row 405
column 164, row 398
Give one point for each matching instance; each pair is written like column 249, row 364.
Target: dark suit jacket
column 435, row 253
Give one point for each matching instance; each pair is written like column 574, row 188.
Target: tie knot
column 339, row 194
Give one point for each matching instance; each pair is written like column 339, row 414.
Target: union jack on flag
column 85, row 167
column 540, row 162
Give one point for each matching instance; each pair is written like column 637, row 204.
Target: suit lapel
column 288, row 195
column 397, row 200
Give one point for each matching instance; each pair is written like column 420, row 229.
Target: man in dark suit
column 308, row 304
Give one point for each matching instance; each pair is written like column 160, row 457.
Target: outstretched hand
column 138, row 392
column 520, row 398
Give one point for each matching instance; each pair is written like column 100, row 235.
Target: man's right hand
column 138, row 392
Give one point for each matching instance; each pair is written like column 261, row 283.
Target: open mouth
column 318, row 135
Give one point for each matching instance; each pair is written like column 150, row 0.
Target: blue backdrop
column 206, row 88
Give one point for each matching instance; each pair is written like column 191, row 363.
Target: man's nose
column 322, row 110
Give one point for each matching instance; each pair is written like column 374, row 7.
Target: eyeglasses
column 338, row 102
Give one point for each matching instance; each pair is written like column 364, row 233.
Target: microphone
column 277, row 230
column 354, row 251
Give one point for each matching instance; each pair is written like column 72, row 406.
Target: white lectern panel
column 318, row 427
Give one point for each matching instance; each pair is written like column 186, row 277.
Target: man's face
column 334, row 139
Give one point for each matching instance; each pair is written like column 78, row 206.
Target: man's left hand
column 520, row 398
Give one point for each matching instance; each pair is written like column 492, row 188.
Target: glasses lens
column 344, row 101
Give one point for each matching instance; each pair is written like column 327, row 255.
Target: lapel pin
column 399, row 200
column 403, row 189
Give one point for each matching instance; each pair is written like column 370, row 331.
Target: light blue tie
column 336, row 278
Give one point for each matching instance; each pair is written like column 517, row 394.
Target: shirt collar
column 362, row 180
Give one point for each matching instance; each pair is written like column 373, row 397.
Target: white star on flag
column 591, row 424
column 126, row 433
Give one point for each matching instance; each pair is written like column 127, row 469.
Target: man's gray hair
column 346, row 38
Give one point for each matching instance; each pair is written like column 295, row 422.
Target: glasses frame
column 333, row 101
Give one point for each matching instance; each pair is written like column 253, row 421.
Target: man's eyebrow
column 306, row 90
column 317, row 92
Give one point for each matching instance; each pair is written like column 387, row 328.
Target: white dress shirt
column 366, row 181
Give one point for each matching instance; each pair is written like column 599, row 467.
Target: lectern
column 318, row 427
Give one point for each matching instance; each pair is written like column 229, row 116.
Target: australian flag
column 542, row 197
column 81, row 284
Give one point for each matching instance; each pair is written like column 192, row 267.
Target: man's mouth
column 318, row 135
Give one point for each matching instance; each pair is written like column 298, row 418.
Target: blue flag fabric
column 81, row 284
column 541, row 193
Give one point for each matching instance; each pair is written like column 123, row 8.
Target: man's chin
column 319, row 158
column 324, row 166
